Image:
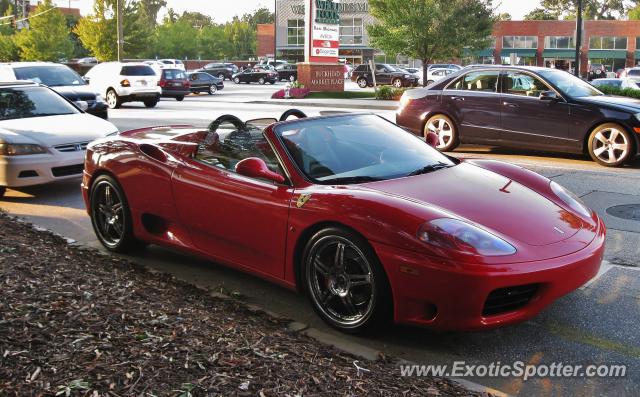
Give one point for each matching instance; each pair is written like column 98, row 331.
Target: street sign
column 322, row 27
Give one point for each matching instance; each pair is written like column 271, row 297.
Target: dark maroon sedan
column 174, row 83
column 525, row 107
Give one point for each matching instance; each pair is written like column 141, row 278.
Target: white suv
column 125, row 82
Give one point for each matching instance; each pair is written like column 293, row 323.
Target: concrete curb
column 337, row 341
column 303, row 103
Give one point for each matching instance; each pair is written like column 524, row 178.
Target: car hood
column 55, row 130
column 76, row 93
column 490, row 200
column 617, row 102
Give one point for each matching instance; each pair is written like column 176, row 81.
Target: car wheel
column 261, row 80
column 345, row 282
column 397, row 83
column 444, row 128
column 110, row 215
column 236, row 80
column 180, row 98
column 221, row 76
column 113, row 101
column 3, row 190
column 213, row 89
column 362, row 83
column 429, row 82
column 292, row 78
column 151, row 103
column 610, row 145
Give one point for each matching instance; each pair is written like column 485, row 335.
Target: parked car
column 61, row 79
column 287, row 71
column 633, row 73
column 220, row 70
column 88, row 61
column 125, row 82
column 616, row 83
column 371, row 223
column 174, row 84
column 434, row 75
column 43, row 137
column 596, row 71
column 157, row 66
column 173, row 63
column 256, row 75
column 271, row 62
column 450, row 66
column 384, row 74
column 204, row 82
column 534, row 108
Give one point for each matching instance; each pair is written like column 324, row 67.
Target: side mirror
column 86, row 79
column 432, row 139
column 254, row 167
column 83, row 105
column 548, row 96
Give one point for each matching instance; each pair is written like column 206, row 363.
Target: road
column 596, row 324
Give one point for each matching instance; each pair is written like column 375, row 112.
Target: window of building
column 637, row 43
column 560, row 42
column 351, row 31
column 607, row 43
column 520, row 42
column 520, row 61
column 295, row 32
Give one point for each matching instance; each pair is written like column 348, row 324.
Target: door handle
column 457, row 98
column 509, row 104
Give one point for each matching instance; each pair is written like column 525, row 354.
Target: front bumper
column 99, row 109
column 39, row 169
column 449, row 296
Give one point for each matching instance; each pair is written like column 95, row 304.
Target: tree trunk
column 425, row 67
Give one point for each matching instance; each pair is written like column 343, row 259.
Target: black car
column 597, row 71
column 64, row 81
column 525, row 107
column 204, row 82
column 220, row 70
column 256, row 75
column 385, row 75
column 287, row 71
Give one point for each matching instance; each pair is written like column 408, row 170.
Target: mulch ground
column 80, row 323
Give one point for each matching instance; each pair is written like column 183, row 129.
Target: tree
column 505, row 16
column 259, row 16
column 97, row 32
column 8, row 48
column 634, row 13
column 242, row 38
column 149, row 10
column 177, row 39
column 430, row 29
column 213, row 43
column 196, row 19
column 592, row 9
column 47, row 38
column 540, row 14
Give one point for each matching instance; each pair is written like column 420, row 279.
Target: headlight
column 570, row 199
column 19, row 149
column 463, row 237
column 406, row 76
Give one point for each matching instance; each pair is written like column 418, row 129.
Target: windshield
column 23, row 102
column 53, row 76
column 570, row 84
column 353, row 149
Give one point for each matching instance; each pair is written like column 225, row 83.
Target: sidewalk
column 372, row 104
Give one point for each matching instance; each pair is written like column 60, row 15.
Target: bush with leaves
column 389, row 93
column 628, row 92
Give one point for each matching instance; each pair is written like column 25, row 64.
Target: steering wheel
column 292, row 112
column 239, row 124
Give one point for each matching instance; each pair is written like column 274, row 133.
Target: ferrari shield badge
column 302, row 200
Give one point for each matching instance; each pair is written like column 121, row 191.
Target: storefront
column 354, row 41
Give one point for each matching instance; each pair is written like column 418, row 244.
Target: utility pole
column 119, row 27
column 578, row 38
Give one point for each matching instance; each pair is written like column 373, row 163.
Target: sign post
column 321, row 70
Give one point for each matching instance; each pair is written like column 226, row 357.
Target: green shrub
column 386, row 92
column 628, row 92
column 297, row 84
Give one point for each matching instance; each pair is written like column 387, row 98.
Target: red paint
column 255, row 225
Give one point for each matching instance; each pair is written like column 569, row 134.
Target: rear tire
column 151, row 103
column 180, row 98
column 446, row 131
column 113, row 100
column 111, row 217
column 611, row 145
column 362, row 82
column 221, row 76
column 261, row 80
column 429, row 82
column 236, row 80
column 212, row 89
column 397, row 83
column 345, row 282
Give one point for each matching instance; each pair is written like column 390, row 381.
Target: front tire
column 110, row 215
column 236, row 80
column 113, row 100
column 221, row 76
column 397, row 83
column 446, row 131
column 261, row 80
column 345, row 281
column 180, row 98
column 362, row 83
column 611, row 145
column 212, row 89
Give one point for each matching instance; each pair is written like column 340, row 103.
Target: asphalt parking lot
column 595, row 324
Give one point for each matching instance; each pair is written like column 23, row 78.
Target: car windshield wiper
column 352, row 179
column 430, row 168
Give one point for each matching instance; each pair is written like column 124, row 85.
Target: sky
column 224, row 10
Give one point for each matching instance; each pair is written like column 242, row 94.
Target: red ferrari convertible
column 371, row 222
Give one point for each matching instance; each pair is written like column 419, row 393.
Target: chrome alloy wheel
column 341, row 281
column 610, row 145
column 108, row 214
column 112, row 99
column 441, row 127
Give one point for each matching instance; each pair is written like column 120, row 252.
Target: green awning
column 559, row 53
column 637, row 54
column 616, row 54
column 521, row 52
